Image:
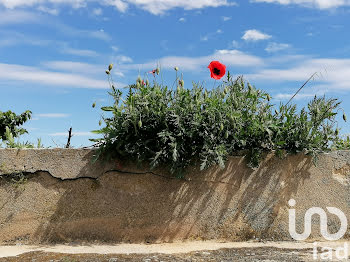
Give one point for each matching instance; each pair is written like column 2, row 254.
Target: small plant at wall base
column 176, row 127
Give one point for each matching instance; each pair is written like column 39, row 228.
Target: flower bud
column 344, row 117
column 93, row 104
column 226, row 134
column 181, row 83
column 336, row 132
column 139, row 80
column 176, row 68
column 100, row 123
column 110, row 67
column 221, row 126
column 157, row 70
column 268, row 97
column 140, row 123
column 147, row 82
column 107, row 72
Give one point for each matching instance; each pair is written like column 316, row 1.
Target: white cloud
column 235, row 44
column 320, row 4
column 11, row 38
column 75, row 67
column 114, row 48
column 156, row 7
column 289, row 96
column 52, row 115
column 73, row 133
column 254, row 35
column 233, row 58
column 79, row 52
column 182, row 19
column 51, row 11
column 121, row 59
column 97, row 11
column 20, row 73
column 226, row 18
column 331, row 73
column 23, row 3
column 204, row 38
column 17, row 17
column 275, row 47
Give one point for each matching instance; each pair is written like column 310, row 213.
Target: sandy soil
column 185, row 251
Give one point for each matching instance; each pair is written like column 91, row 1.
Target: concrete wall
column 63, row 197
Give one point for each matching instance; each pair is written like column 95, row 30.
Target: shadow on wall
column 236, row 203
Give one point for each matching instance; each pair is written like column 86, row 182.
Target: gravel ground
column 223, row 255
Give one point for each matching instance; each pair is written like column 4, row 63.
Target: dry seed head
column 176, row 68
column 110, row 67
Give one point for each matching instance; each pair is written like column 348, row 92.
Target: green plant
column 342, row 144
column 10, row 142
column 163, row 126
column 12, row 121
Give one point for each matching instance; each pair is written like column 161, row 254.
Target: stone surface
column 63, row 197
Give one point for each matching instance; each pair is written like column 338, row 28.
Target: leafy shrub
column 177, row 127
column 12, row 121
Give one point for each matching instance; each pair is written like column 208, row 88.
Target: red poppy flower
column 217, row 70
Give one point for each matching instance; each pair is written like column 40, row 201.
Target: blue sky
column 53, row 53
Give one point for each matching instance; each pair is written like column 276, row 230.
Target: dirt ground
column 245, row 251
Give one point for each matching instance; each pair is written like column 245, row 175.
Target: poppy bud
column 157, row 70
column 138, row 80
column 221, row 126
column 276, row 112
column 225, row 90
column 176, row 68
column 178, row 89
column 250, row 88
column 99, row 122
column 268, row 97
column 107, row 72
column 226, row 134
column 181, row 83
column 344, row 117
column 336, row 132
column 138, row 85
column 93, row 104
column 140, row 124
column 110, row 67
column 147, row 82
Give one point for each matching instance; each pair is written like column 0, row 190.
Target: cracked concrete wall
column 61, row 196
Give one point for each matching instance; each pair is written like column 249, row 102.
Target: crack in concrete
column 117, row 171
